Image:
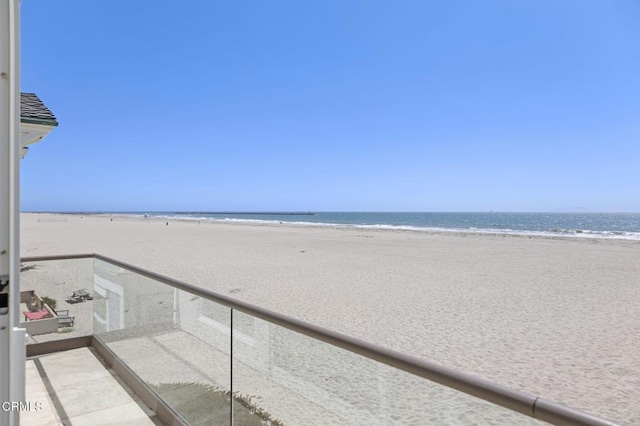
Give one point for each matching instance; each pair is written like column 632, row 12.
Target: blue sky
column 334, row 105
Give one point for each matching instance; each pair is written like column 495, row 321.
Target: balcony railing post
column 231, row 367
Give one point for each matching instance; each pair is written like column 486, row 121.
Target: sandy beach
column 557, row 317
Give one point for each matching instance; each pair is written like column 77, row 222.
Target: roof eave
column 50, row 123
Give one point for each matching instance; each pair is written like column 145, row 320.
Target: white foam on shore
column 576, row 233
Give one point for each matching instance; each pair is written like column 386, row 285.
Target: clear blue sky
column 334, row 105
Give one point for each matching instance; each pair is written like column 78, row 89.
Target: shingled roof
column 33, row 111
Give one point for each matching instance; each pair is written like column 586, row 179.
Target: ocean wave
column 498, row 230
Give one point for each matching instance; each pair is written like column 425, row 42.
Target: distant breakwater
column 257, row 213
column 308, row 213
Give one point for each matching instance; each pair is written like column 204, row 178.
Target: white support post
column 12, row 337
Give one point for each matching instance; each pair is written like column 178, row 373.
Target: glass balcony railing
column 176, row 342
column 217, row 360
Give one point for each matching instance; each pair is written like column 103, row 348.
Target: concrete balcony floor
column 76, row 387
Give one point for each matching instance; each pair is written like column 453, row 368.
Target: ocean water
column 591, row 225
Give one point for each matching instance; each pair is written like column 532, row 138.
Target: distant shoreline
column 554, row 234
column 308, row 213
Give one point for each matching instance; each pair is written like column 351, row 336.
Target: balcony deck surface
column 76, row 388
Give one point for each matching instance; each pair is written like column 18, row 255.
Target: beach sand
column 557, row 317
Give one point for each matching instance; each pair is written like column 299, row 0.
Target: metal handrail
column 521, row 402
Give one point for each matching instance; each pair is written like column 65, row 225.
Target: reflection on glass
column 176, row 342
column 130, row 302
column 299, row 380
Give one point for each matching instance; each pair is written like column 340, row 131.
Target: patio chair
column 64, row 320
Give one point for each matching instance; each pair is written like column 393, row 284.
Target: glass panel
column 290, row 378
column 180, row 345
column 56, row 299
column 176, row 342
